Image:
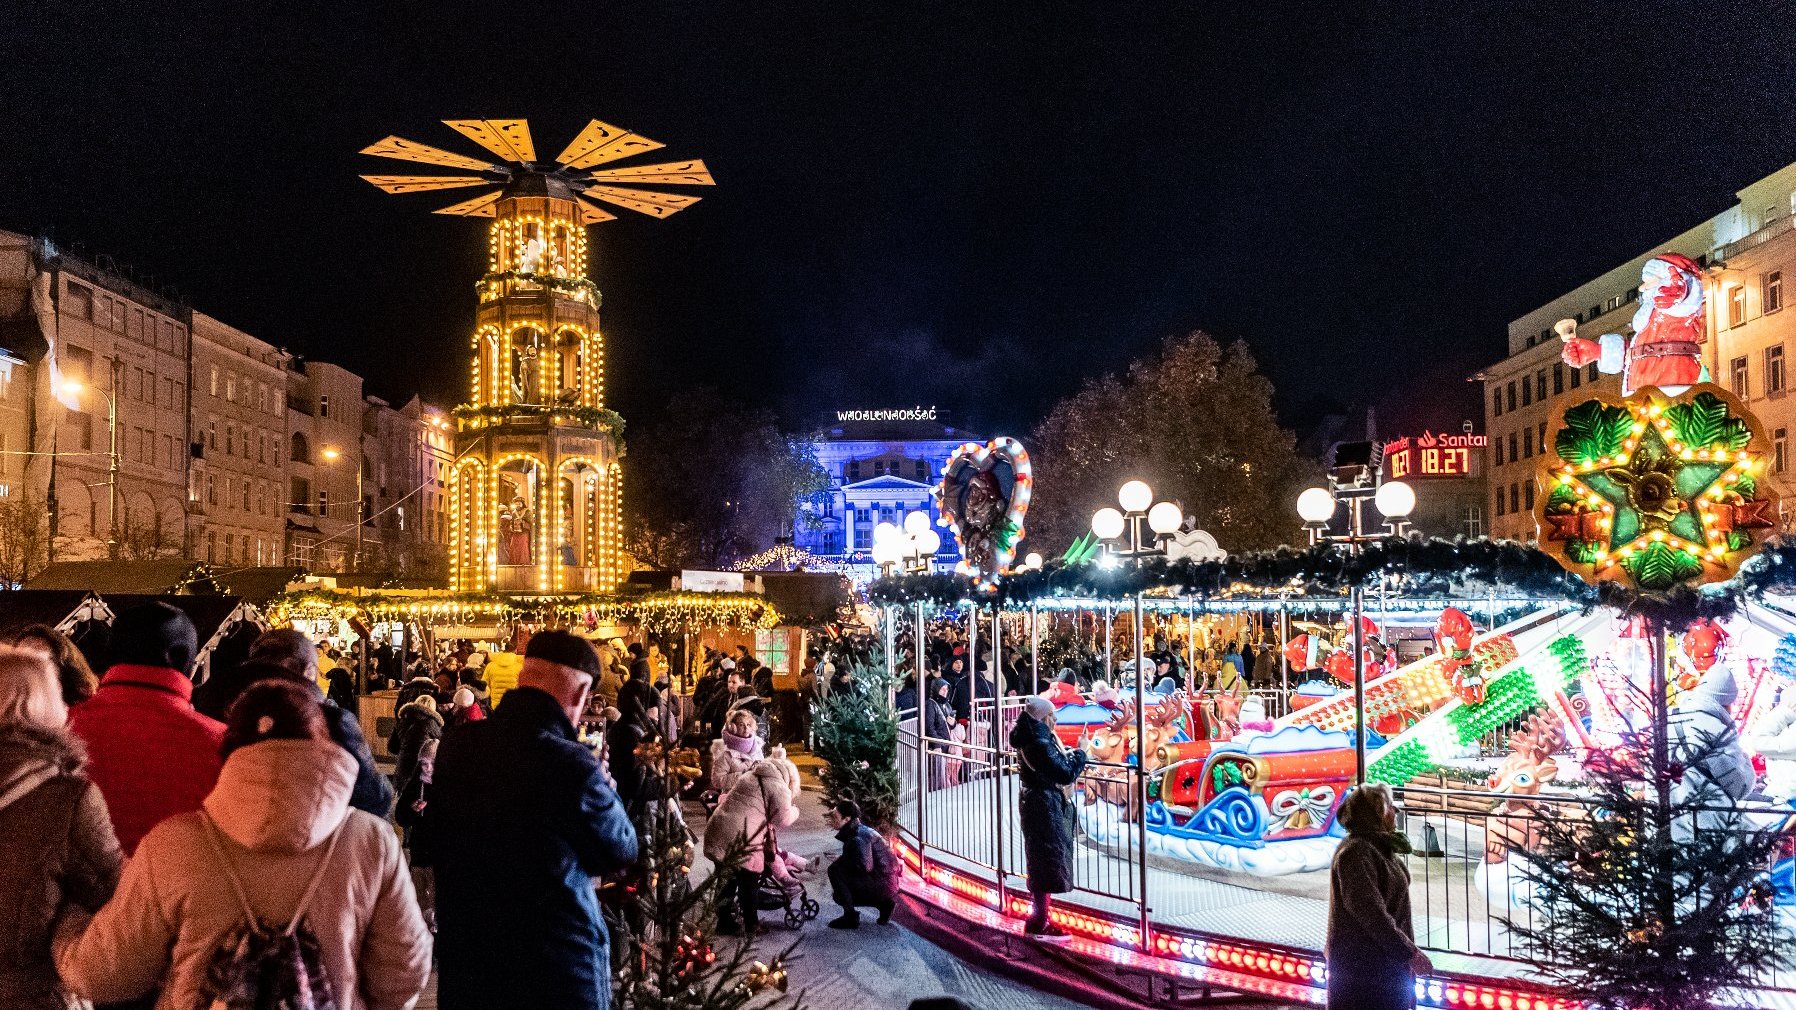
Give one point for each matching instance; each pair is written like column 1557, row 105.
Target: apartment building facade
column 240, row 427
column 1746, row 251
column 228, row 449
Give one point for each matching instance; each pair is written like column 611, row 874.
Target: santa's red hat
column 1682, row 262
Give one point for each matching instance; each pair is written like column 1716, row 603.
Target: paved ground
column 874, row 966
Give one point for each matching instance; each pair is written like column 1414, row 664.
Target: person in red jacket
column 150, row 753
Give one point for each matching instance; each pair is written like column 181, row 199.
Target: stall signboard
column 711, row 582
column 1431, row 455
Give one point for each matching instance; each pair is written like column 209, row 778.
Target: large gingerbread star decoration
column 1656, row 491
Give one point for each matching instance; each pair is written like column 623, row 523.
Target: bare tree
column 24, row 539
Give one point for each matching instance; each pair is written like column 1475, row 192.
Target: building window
column 213, row 383
column 1774, row 370
column 1527, row 392
column 324, row 405
column 1527, row 443
column 1496, row 445
column 1736, row 305
column 1499, row 509
column 211, row 545
column 1577, row 377
column 1540, row 438
column 301, row 452
column 300, row 496
column 324, row 503
column 1515, row 498
column 1774, row 291
column 211, row 491
column 1558, row 379
column 1528, row 496
column 1496, row 403
column 1780, row 457
column 1540, row 385
column 1737, row 376
column 1509, row 396
column 1590, row 372
column 79, row 301
column 1514, row 454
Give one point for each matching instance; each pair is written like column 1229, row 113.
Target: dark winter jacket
column 519, row 823
column 936, row 724
column 416, row 724
column 1368, row 904
column 639, row 689
column 637, row 785
column 412, row 689
column 867, row 870
column 1044, row 767
column 60, row 851
column 906, row 699
column 971, row 686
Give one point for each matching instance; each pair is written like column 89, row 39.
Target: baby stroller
column 791, row 898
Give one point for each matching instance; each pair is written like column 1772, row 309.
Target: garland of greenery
column 1424, row 566
column 659, row 613
column 565, row 285
column 596, row 418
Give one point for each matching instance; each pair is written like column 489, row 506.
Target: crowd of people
column 174, row 846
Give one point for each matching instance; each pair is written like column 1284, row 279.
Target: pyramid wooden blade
column 592, row 214
column 411, row 150
column 480, row 206
column 425, row 183
column 672, row 173
column 641, row 201
column 602, row 142
column 507, row 138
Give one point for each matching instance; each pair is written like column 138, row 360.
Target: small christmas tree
column 665, row 925
column 856, row 736
column 1659, row 899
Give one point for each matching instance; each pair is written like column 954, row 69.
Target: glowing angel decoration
column 1665, row 349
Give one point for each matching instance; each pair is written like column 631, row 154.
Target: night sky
column 966, row 205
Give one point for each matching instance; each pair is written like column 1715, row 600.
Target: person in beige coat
column 744, row 826
column 279, row 814
column 58, row 840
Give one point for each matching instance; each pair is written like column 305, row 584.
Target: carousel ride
column 1206, row 826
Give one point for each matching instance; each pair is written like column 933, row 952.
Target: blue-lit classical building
column 881, row 464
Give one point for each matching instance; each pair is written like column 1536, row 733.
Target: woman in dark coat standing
column 1372, row 955
column 1045, row 770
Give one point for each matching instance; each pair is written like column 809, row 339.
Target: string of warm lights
column 656, row 613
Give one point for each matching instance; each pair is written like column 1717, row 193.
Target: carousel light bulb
column 1106, row 523
column 1135, row 496
column 1165, row 517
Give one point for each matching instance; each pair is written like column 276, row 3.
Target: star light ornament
column 1655, row 491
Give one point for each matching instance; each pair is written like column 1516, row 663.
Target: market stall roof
column 805, row 598
column 209, row 614
column 259, row 584
column 62, row 609
column 162, row 577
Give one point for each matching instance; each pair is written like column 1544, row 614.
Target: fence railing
column 1468, row 884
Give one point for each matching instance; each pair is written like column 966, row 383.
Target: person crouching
column 866, row 876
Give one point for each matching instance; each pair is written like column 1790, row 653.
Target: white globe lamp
column 1165, row 517
column 1135, row 496
column 1315, row 505
column 1033, row 561
column 929, row 541
column 884, row 533
column 1395, row 499
column 884, row 552
column 916, row 522
column 1106, row 524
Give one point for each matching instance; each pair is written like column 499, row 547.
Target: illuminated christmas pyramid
column 535, row 492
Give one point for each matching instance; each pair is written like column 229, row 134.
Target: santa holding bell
column 1666, row 347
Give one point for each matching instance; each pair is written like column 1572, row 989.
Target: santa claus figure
column 1666, row 348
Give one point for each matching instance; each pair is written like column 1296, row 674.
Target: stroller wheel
column 810, row 909
column 794, row 918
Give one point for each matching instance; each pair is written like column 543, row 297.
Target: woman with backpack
column 54, row 829
column 275, row 878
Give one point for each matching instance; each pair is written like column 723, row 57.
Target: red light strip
column 1270, row 971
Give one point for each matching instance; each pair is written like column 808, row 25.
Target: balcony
column 1771, row 230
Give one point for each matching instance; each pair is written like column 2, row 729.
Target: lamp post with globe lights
column 1355, row 479
column 1110, row 526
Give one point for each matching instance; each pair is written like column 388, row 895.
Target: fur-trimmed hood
column 25, row 747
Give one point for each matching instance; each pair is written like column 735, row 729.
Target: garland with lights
column 596, row 418
column 1424, row 566
column 656, row 613
column 574, row 286
column 785, row 557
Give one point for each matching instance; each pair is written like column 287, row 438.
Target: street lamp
column 1356, row 478
column 1138, row 509
column 908, row 548
column 331, row 454
column 74, row 387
